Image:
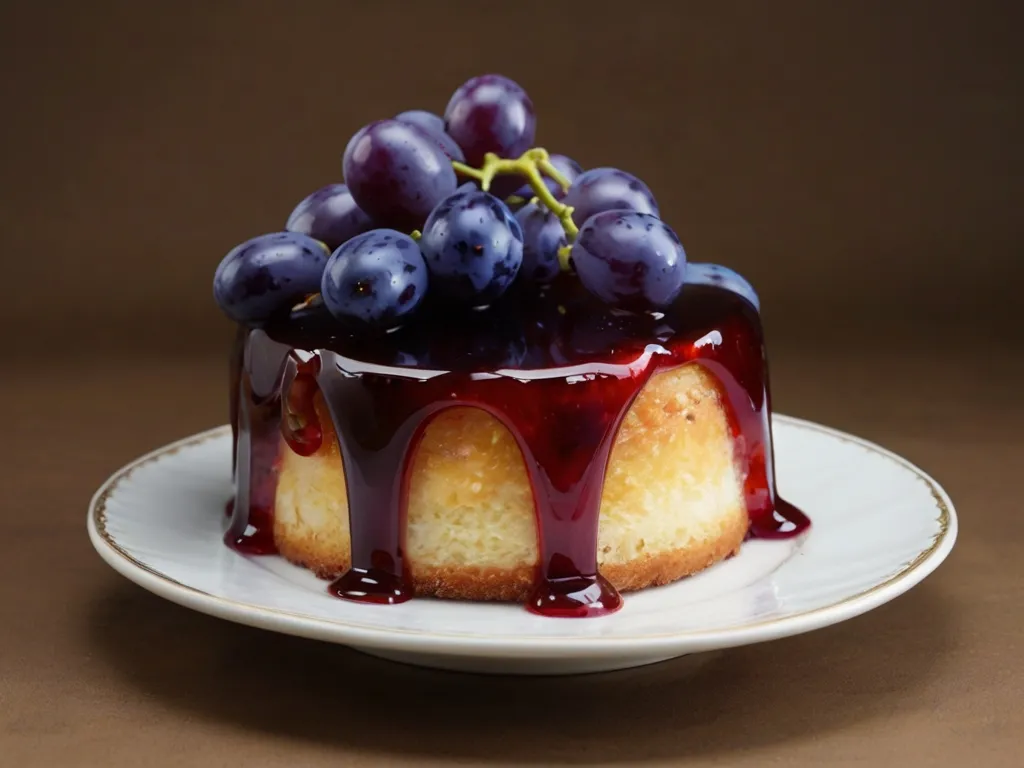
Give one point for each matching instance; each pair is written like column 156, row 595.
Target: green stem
column 556, row 175
column 468, row 170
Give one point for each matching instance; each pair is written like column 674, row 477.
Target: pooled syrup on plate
column 558, row 369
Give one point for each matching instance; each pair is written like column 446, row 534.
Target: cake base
column 672, row 503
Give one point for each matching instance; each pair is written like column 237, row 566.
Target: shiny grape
column 629, row 259
column 375, row 280
column 434, row 125
column 329, row 215
column 473, row 247
column 490, row 113
column 608, row 189
column 268, row 275
column 543, row 235
column 397, row 173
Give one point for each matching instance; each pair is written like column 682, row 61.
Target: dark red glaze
column 300, row 425
column 235, row 366
column 557, row 369
column 259, row 439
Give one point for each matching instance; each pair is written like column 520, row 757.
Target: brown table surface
column 97, row 671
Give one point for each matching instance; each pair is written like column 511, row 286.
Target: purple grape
column 329, row 215
column 397, row 173
column 543, row 235
column 433, row 125
column 608, row 189
column 375, row 280
column 473, row 247
column 428, row 121
column 268, row 275
column 629, row 259
column 490, row 113
column 722, row 277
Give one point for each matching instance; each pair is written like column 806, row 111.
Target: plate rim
column 351, row 633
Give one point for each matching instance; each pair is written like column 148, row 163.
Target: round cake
column 475, row 371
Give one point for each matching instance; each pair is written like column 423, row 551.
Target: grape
column 543, row 235
column 329, row 215
column 629, row 259
column 375, row 279
column 433, row 125
column 722, row 277
column 473, row 247
column 397, row 173
column 267, row 275
column 428, row 121
column 608, row 189
column 490, row 113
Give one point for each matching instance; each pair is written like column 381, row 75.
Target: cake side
column 672, row 502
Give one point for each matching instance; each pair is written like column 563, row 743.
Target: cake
column 475, row 371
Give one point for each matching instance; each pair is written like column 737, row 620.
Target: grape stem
column 531, row 164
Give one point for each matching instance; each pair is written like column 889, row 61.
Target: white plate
column 880, row 525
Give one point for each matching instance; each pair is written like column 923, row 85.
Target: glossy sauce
column 557, row 369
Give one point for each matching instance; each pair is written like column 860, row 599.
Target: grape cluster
column 460, row 207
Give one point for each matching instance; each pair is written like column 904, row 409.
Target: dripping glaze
column 559, row 370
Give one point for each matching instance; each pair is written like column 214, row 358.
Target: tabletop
column 96, row 671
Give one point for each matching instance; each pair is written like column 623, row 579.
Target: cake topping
column 608, row 189
column 433, row 125
column 397, row 173
column 543, row 238
column 490, row 114
column 267, row 275
column 329, row 215
column 630, row 259
column 447, row 188
column 375, row 279
column 473, row 247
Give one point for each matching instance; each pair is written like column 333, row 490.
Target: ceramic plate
column 880, row 525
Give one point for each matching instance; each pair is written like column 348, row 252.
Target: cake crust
column 468, row 582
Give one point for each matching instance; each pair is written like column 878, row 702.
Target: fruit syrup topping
column 458, row 265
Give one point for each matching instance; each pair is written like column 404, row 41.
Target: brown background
column 861, row 162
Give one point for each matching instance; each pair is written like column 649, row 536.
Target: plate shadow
column 784, row 691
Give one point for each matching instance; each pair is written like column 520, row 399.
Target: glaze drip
column 557, row 369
